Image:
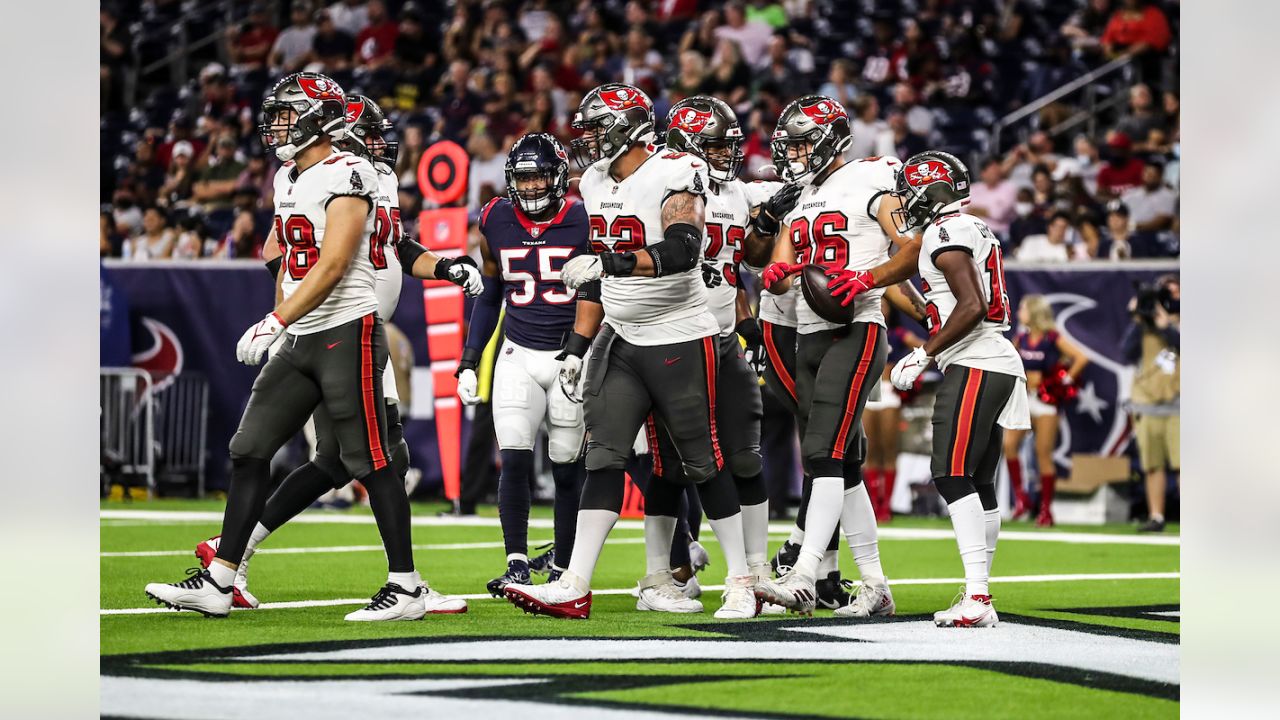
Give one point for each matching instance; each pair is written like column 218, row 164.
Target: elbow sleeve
column 590, row 291
column 273, row 266
column 409, row 251
column 679, row 251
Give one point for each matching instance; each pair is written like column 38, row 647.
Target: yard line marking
column 1077, row 577
column 889, row 533
column 356, row 548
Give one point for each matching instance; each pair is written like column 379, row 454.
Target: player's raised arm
column 766, row 224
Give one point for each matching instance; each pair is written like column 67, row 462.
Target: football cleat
column 871, row 600
column 792, row 591
column 517, row 572
column 738, row 601
column 691, row 589
column 541, row 565
column 559, row 599
column 761, row 573
column 659, row 593
column 785, row 558
column 698, row 556
column 968, row 611
column 833, row 592
column 436, row 604
column 240, row 595
column 198, row 592
column 392, row 602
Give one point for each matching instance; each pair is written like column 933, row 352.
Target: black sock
column 395, row 441
column 298, row 491
column 603, row 490
column 514, row 499
column 568, row 477
column 719, row 497
column 391, row 511
column 693, row 512
column 665, row 499
column 952, row 488
column 250, row 483
column 806, row 487
column 752, row 490
column 987, row 495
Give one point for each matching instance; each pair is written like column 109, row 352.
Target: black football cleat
column 541, row 565
column 554, row 575
column 833, row 592
column 785, row 558
column 517, row 574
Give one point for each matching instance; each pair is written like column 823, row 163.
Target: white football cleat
column 968, row 611
column 738, row 601
column 560, row 599
column 240, row 595
column 659, row 593
column 793, row 591
column 691, row 589
column 698, row 556
column 198, row 592
column 871, row 600
column 762, row 573
column 436, row 604
column 392, row 602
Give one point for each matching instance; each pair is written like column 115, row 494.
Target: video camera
column 1149, row 294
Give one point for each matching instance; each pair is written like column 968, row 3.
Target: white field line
column 888, row 533
column 1078, row 577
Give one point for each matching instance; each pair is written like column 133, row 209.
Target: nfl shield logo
column 535, row 231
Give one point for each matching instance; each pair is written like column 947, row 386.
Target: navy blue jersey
column 540, row 309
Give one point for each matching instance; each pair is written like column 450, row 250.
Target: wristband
column 470, row 359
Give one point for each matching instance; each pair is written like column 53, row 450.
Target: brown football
column 813, row 283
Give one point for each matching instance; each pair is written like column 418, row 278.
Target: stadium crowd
column 184, row 174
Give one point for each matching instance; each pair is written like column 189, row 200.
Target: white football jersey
column 301, row 200
column 834, row 224
column 728, row 220
column 780, row 309
column 627, row 216
column 985, row 347
column 382, row 244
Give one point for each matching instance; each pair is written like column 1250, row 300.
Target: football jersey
column 386, row 234
column 834, row 224
column 985, row 347
column 540, row 309
column 780, row 309
column 627, row 216
column 728, row 219
column 301, row 200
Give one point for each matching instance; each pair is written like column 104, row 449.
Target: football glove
column 461, row 271
column 258, row 338
column 849, row 284
column 468, row 385
column 571, row 365
column 779, row 271
column 581, row 270
column 711, row 277
column 904, row 374
column 769, row 219
column 753, row 342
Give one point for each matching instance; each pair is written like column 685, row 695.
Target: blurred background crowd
column 1067, row 111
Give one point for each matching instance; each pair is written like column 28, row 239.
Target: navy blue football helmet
column 537, row 156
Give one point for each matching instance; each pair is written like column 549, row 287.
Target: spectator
column 729, row 75
column 1085, row 27
column 110, row 239
column 179, row 132
column 919, row 119
column 177, row 188
column 751, row 36
column 840, row 86
column 292, row 48
column 156, row 240
column 1043, row 192
column 1121, row 171
column 641, row 64
column 332, row 47
column 114, row 46
column 1153, row 205
column 902, row 142
column 778, row 69
column 125, row 211
column 191, row 240
column 1026, row 220
column 1053, row 246
column 867, row 127
column 534, row 20
column 1083, row 164
column 993, row 198
column 1143, row 116
column 487, row 176
column 249, row 44
column 1153, row 344
column 1115, row 241
column 457, row 102
column 1137, row 27
column 215, row 184
column 217, row 97
column 769, row 13
column 701, row 36
column 349, row 16
column 377, row 41
column 1023, row 159
column 692, row 77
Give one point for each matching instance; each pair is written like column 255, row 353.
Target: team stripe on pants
column 963, row 433
column 367, row 395
column 709, row 358
column 855, row 389
column 651, row 435
column 775, row 361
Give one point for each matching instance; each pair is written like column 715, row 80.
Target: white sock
column 829, row 564
column 797, row 535
column 971, row 538
column 755, row 532
column 593, row 527
column 518, row 556
column 260, row 533
column 407, row 580
column 729, row 533
column 858, row 518
column 659, row 531
column 820, row 522
column 221, row 575
column 992, row 520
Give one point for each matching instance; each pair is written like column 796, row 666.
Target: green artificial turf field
column 1089, row 627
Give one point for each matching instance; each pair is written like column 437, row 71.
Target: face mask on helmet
column 595, row 143
column 797, row 159
column 291, row 125
column 371, row 145
column 533, row 189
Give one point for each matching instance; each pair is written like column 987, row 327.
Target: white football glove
column 468, row 386
column 904, row 374
column 255, row 341
column 467, row 277
column 580, row 270
column 571, row 377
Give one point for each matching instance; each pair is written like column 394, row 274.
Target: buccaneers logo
column 929, row 171
column 692, row 120
column 320, row 88
column 354, row 108
column 623, row 98
column 823, row 112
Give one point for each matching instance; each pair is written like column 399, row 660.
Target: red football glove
column 778, row 271
column 850, row 283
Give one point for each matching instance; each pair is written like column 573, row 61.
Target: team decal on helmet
column 824, row 111
column 927, row 172
column 708, row 128
column 318, row 107
column 625, row 97
column 611, row 119
column 319, row 87
column 692, row 119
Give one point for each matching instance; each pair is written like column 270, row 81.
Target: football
column 813, row 283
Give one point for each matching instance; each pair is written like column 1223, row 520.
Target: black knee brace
column 719, row 497
column 987, row 494
column 603, row 490
column 953, row 488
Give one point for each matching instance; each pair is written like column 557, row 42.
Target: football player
column 656, row 352
column 983, row 384
column 526, row 238
column 841, row 219
column 333, row 356
column 367, row 132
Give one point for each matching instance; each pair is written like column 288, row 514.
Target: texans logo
column 320, row 88
column 928, row 172
column 824, row 112
column 354, row 108
column 162, row 358
column 624, row 98
column 560, row 152
column 692, row 119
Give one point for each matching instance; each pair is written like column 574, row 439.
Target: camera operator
column 1153, row 344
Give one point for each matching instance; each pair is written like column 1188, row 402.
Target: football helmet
column 929, row 184
column 611, row 118
column 810, row 133
column 367, row 131
column 318, row 108
column 537, row 155
column 701, row 122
